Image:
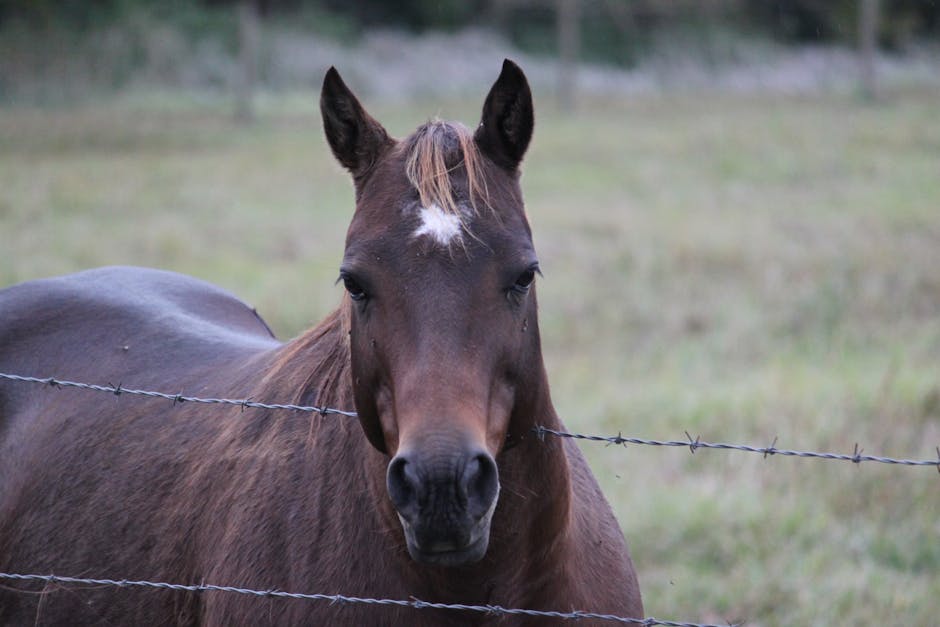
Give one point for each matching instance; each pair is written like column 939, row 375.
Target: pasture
column 738, row 268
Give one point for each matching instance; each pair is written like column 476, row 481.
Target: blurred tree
column 868, row 45
column 569, row 43
column 613, row 31
column 79, row 13
column 900, row 21
column 249, row 43
column 416, row 15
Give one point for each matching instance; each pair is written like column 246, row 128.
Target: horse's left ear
column 356, row 138
column 508, row 118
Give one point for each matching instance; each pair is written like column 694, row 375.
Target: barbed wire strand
column 693, row 444
column 118, row 390
column 495, row 610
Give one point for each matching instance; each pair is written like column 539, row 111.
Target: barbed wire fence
column 491, row 610
column 177, row 399
column 693, row 444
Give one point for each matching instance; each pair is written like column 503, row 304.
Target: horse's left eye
column 524, row 282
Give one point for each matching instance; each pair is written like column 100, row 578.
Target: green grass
column 738, row 268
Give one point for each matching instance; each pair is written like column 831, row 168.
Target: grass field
column 738, row 269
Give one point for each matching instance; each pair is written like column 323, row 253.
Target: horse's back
column 124, row 303
column 119, row 322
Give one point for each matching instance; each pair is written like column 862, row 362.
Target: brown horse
column 439, row 491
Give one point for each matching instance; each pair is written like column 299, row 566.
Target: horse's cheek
column 386, row 418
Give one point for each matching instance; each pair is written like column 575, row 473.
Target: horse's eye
column 355, row 290
column 524, row 282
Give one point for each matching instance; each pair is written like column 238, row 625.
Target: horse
column 439, row 489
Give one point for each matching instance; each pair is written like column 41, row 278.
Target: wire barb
column 540, row 433
column 857, row 457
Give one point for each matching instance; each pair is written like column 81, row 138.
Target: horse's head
column 439, row 268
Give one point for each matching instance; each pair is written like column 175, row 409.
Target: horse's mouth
column 446, row 554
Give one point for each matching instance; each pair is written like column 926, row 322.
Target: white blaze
column 442, row 227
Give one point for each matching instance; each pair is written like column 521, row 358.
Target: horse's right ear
column 508, row 118
column 357, row 139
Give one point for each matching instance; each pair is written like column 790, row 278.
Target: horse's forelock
column 433, row 152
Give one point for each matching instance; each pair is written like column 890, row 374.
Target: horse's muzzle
column 445, row 504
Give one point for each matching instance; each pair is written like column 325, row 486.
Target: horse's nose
column 445, row 503
column 405, row 486
column 478, row 485
column 467, row 484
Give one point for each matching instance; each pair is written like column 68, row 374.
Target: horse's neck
column 313, row 368
column 535, row 479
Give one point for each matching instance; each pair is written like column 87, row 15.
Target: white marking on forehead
column 442, row 227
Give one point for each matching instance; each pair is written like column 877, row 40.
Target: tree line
column 615, row 31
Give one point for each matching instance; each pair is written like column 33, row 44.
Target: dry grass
column 741, row 269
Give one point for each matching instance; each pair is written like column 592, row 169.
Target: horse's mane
column 435, row 150
column 313, row 368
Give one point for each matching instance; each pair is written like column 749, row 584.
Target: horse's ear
column 508, row 118
column 357, row 140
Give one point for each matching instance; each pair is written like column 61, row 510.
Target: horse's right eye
column 355, row 290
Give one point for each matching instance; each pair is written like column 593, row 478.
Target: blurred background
column 59, row 50
column 736, row 205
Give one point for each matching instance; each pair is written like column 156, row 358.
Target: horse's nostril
column 404, row 486
column 479, row 484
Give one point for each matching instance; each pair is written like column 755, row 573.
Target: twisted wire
column 693, row 444
column 118, row 390
column 340, row 599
